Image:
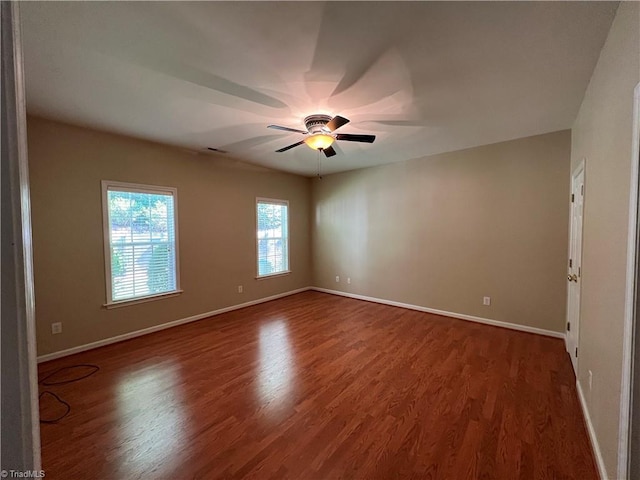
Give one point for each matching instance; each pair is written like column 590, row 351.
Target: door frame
column 631, row 296
column 580, row 168
column 22, row 313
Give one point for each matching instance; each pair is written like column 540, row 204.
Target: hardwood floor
column 316, row 386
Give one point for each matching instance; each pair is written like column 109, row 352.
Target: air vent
column 216, row 150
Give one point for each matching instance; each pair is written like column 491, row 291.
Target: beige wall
column 440, row 232
column 216, row 201
column 602, row 134
column 446, row 230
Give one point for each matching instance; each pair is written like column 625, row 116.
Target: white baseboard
column 156, row 328
column 602, row 470
column 460, row 316
column 182, row 321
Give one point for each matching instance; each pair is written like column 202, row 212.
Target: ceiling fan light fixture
column 319, row 133
column 319, row 141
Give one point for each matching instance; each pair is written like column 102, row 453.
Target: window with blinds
column 140, row 241
column 272, row 236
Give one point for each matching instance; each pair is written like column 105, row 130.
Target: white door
column 574, row 275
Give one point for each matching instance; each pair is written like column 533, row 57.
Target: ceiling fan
column 320, row 130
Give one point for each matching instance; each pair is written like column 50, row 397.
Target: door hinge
column 570, row 263
column 572, row 198
column 581, row 189
column 568, row 326
column 576, row 352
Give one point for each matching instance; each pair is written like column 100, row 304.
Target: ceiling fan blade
column 286, row 129
column 249, row 143
column 356, row 138
column 399, row 123
column 329, row 151
column 336, row 122
column 290, row 146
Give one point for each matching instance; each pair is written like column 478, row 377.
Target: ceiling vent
column 218, row 150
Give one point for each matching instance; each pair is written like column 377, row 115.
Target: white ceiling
column 425, row 77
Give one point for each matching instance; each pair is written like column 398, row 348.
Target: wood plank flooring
column 316, row 386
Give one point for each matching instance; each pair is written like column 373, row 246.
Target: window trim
column 274, row 201
column 137, row 188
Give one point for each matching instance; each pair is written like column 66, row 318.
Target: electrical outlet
column 590, row 379
column 486, row 301
column 349, row 280
column 337, row 279
column 240, row 289
column 56, row 328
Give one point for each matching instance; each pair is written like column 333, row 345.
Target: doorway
column 574, row 275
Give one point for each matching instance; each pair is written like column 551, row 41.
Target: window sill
column 134, row 301
column 271, row 275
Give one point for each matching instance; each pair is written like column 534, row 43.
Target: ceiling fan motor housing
column 317, row 124
column 320, row 136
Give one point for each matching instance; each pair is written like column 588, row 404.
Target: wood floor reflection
column 316, row 386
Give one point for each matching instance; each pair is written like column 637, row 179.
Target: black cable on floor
column 55, row 420
column 48, row 384
column 94, row 369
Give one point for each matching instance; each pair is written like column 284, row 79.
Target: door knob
column 572, row 278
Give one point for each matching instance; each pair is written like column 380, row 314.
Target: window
column 272, row 236
column 141, row 255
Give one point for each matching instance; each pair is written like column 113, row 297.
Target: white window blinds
column 141, row 239
column 272, row 236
